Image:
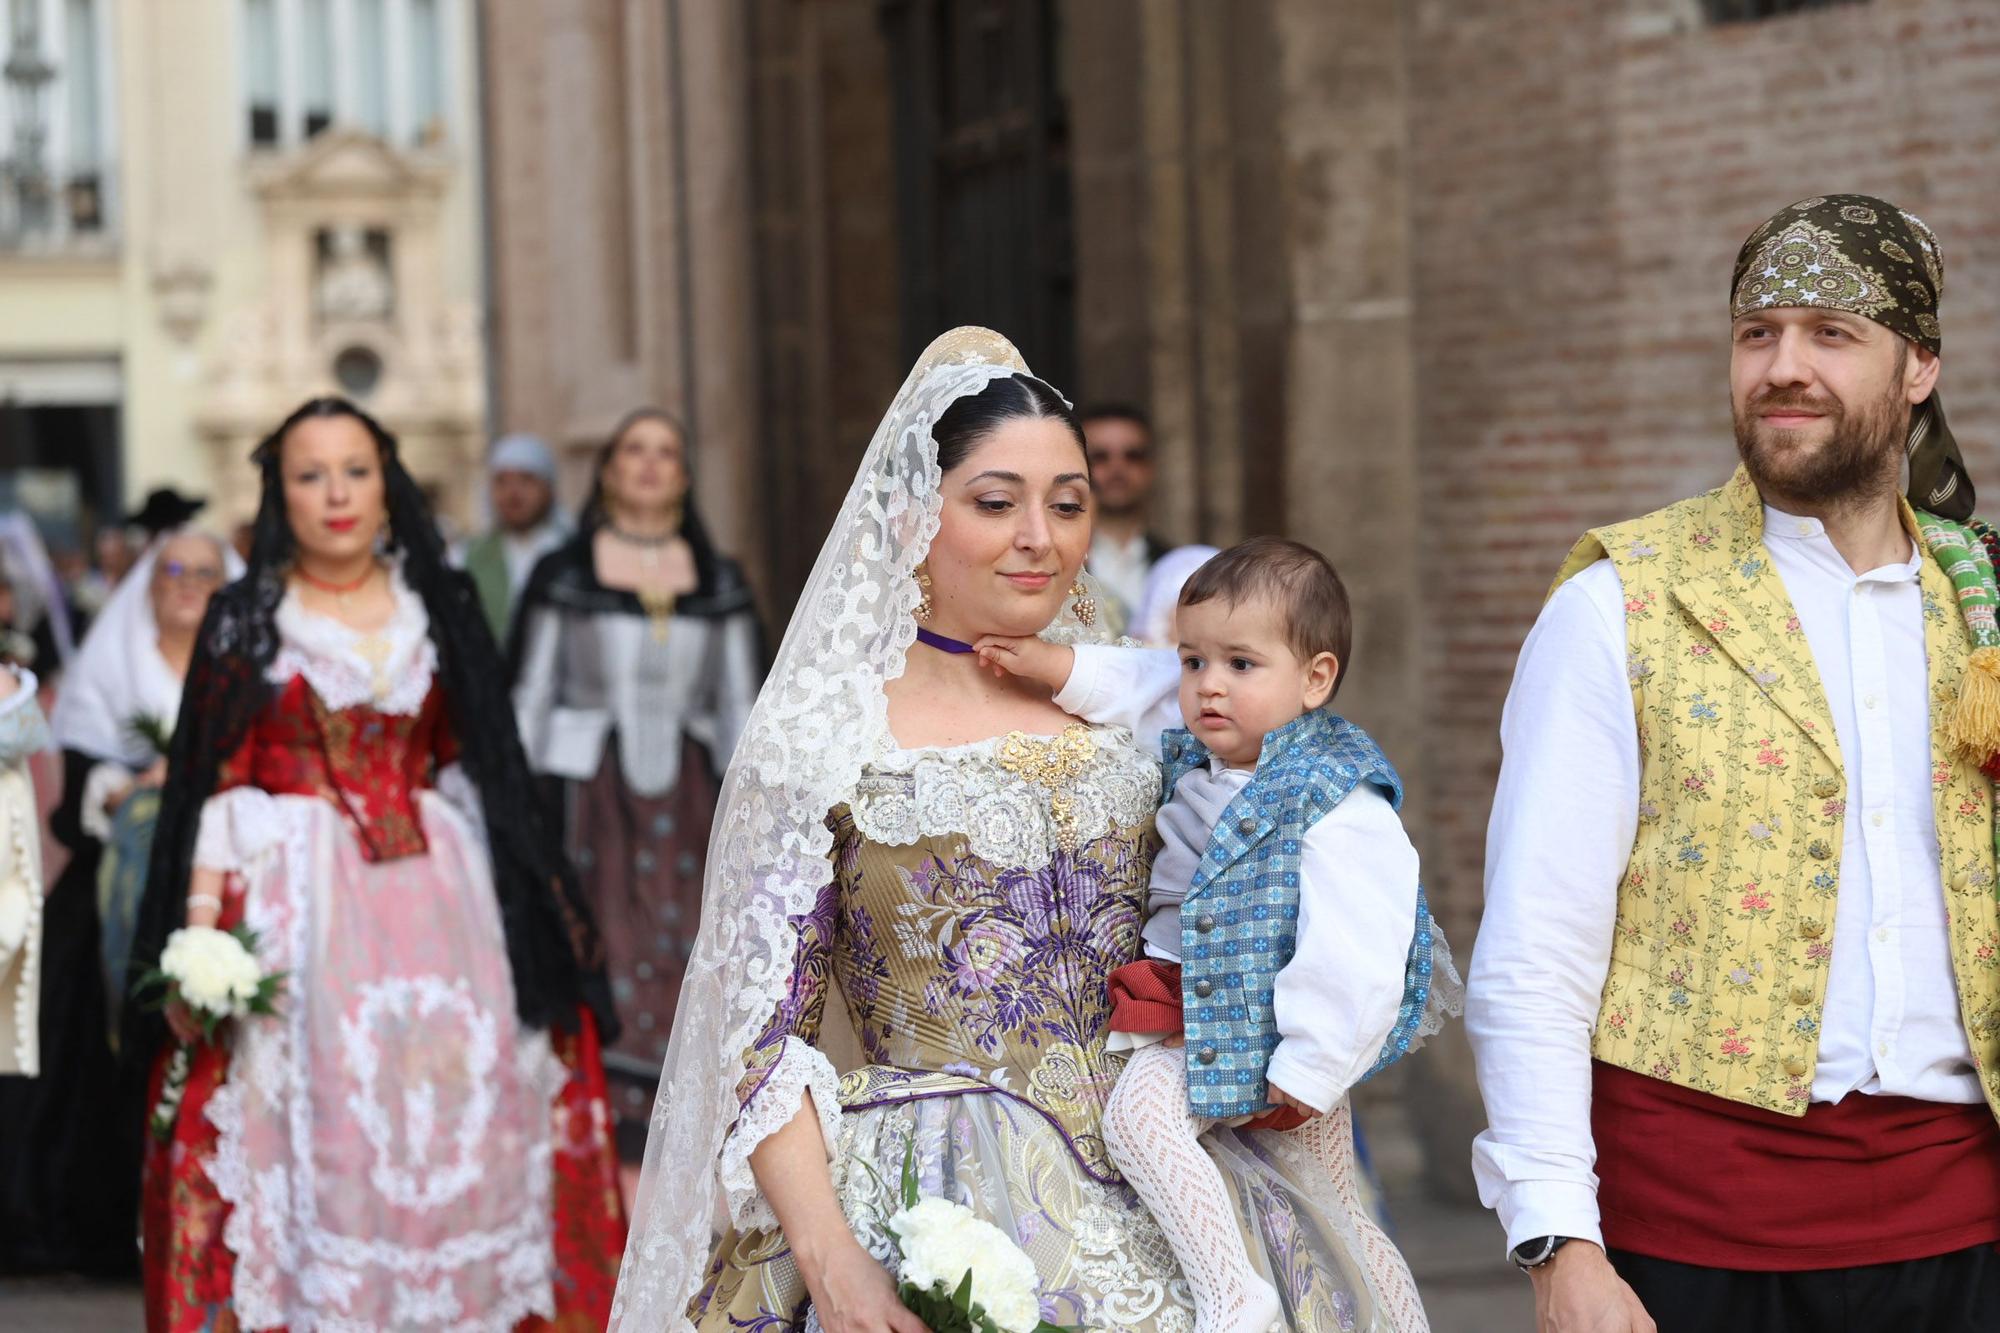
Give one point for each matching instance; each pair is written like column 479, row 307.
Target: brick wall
column 1582, row 176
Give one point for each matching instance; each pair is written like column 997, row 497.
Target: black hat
column 165, row 509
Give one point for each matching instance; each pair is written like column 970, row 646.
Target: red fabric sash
column 1146, row 997
column 1696, row 1179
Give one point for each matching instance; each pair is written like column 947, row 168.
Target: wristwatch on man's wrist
column 1532, row 1254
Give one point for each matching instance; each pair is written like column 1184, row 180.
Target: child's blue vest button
column 1206, row 1055
column 1204, row 988
column 1246, row 826
column 1204, row 923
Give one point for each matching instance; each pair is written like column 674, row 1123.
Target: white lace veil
column 821, row 716
column 118, row 673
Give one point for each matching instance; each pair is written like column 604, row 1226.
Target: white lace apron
column 385, row 1141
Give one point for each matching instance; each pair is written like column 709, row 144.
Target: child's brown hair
column 1299, row 580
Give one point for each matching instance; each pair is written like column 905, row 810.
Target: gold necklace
column 654, row 598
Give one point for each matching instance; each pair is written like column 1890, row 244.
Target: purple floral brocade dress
column 979, row 897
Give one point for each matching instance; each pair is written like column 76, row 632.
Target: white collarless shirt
column 1564, row 818
column 1121, row 567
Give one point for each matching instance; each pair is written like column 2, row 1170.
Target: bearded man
column 1741, row 951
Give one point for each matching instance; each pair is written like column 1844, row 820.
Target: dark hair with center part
column 692, row 530
column 968, row 421
column 1298, row 580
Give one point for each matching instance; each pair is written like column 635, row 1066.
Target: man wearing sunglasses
column 1119, row 441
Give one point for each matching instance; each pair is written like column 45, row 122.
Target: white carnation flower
column 942, row 1240
column 212, row 970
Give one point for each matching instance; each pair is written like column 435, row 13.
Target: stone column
column 618, row 188
column 715, row 333
column 1351, row 462
column 1181, row 284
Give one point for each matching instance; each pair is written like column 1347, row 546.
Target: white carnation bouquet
column 959, row 1273
column 215, row 973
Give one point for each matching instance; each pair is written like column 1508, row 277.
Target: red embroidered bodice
column 367, row 763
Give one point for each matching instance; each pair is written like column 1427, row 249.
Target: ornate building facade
column 269, row 199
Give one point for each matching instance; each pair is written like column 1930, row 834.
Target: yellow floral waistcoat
column 1725, row 915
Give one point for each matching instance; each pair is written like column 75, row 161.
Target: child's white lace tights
column 1154, row 1138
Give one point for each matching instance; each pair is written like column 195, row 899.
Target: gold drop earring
column 924, row 608
column 1085, row 605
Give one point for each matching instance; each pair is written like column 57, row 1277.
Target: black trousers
column 1950, row 1293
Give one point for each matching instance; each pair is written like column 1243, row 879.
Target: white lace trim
column 1447, row 998
column 800, row 1069
column 237, row 828
column 388, row 669
column 270, row 1208
column 94, row 814
column 1005, row 818
column 21, row 915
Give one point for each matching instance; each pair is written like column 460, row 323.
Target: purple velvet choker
column 941, row 643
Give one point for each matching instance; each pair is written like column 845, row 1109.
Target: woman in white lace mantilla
column 952, row 865
column 419, row 1138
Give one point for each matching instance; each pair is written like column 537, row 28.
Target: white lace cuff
column 800, row 1069
column 95, row 814
column 237, row 827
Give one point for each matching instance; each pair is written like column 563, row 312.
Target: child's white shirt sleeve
column 1337, row 1000
column 1137, row 688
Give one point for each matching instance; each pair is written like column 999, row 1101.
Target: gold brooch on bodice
column 1053, row 763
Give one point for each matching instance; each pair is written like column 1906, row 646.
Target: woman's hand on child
column 1029, row 658
column 1277, row 1096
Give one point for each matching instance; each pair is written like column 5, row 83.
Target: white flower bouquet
column 959, row 1273
column 215, row 973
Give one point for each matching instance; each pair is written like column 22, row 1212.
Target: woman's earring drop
column 924, row 607
column 1085, row 605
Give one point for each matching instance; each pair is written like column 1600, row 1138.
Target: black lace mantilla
column 552, row 944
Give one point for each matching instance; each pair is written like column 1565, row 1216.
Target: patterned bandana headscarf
column 1864, row 255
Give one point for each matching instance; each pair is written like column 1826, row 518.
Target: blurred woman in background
column 71, row 1151
column 636, row 662
column 113, row 721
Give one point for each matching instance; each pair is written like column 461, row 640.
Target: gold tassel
column 1974, row 726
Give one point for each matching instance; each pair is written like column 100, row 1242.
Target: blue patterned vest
column 1239, row 922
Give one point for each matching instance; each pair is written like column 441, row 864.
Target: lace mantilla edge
column 1015, row 800
column 1447, row 997
column 800, row 1069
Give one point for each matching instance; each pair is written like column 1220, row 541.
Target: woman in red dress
column 419, row 1138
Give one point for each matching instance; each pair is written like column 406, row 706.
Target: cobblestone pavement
column 1455, row 1252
